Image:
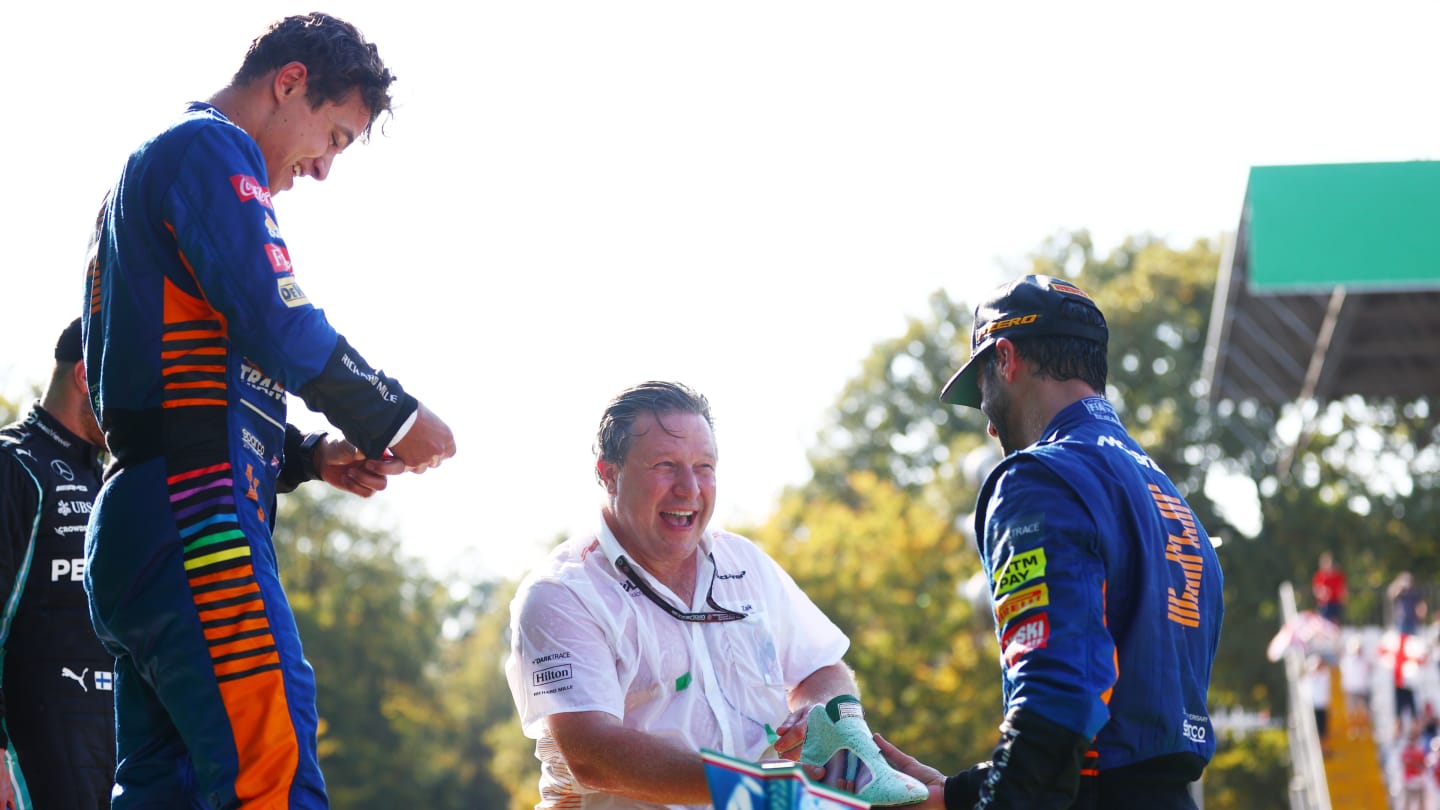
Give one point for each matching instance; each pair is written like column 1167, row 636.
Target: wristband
column 307, row 455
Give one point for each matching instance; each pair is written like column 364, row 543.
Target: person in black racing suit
column 57, row 709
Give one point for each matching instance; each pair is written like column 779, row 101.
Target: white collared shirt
column 582, row 641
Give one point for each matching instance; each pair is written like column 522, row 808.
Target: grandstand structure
column 1330, row 288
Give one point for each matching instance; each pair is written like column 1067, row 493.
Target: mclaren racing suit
column 58, row 715
column 1107, row 603
column 195, row 329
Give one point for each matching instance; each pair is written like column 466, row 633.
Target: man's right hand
column 932, row 778
column 427, row 443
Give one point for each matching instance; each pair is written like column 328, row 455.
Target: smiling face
column 300, row 141
column 661, row 496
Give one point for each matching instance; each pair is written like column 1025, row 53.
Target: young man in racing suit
column 1106, row 590
column 57, row 713
column 195, row 328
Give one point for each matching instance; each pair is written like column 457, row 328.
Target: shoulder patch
column 1008, row 607
column 1021, row 569
column 1029, row 635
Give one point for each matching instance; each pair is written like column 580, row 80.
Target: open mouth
column 680, row 520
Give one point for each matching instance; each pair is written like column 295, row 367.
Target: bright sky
column 574, row 196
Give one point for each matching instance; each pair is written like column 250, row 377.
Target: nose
column 320, row 168
column 686, row 482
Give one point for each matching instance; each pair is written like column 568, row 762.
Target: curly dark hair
column 613, row 440
column 335, row 53
column 1061, row 357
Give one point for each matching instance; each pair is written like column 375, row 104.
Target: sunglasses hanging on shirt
column 720, row 614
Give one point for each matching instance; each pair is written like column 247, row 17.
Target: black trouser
column 1118, row 790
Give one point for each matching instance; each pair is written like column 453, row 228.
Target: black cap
column 69, row 349
column 1030, row 305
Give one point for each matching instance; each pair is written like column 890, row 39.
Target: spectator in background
column 1403, row 656
column 1412, row 772
column 1328, row 585
column 1407, row 606
column 1355, row 683
column 1318, row 674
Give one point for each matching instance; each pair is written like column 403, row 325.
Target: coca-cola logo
column 248, row 188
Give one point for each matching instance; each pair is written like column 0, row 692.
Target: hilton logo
column 550, row 675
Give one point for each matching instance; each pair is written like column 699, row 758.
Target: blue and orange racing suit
column 1106, row 593
column 195, row 328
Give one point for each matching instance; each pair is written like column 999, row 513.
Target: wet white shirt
column 582, row 641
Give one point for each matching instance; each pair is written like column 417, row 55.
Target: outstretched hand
column 932, row 779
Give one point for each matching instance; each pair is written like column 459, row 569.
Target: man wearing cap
column 57, row 714
column 1106, row 591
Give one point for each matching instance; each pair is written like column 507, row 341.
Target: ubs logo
column 550, row 675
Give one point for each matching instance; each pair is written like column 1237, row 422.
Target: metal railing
column 1309, row 789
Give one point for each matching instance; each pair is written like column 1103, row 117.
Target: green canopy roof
column 1367, row 226
column 1331, row 286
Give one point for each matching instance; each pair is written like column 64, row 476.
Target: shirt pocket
column 750, row 672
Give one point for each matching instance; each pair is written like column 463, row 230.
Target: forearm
column 639, row 766
column 823, row 684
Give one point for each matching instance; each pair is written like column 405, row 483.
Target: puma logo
column 67, row 672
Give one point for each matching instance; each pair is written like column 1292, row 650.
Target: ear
column 77, row 376
column 290, row 81
column 1007, row 359
column 609, row 473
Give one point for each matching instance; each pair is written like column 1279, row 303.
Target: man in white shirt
column 638, row 644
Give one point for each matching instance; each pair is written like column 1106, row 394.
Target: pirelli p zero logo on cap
column 996, row 326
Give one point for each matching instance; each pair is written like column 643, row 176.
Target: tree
column 884, row 567
column 370, row 621
column 891, row 451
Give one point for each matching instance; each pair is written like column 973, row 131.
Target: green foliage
column 1249, row 773
column 885, row 569
column 371, row 624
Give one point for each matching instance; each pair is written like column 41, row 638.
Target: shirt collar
column 611, row 548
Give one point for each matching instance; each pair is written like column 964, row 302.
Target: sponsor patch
column 279, row 258
column 272, row 227
column 1023, row 568
column 996, row 326
column 1101, row 409
column 549, row 675
column 68, row 508
column 1061, row 286
column 290, row 292
column 1008, row 607
column 1027, row 636
column 62, row 469
column 252, row 442
column 248, row 188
